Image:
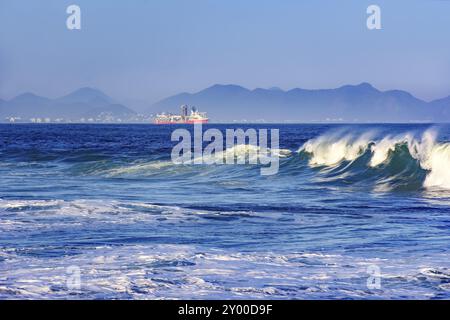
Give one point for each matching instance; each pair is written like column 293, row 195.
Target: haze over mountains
column 228, row 103
column 80, row 105
column 350, row 103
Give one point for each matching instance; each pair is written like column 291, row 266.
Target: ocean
column 101, row 212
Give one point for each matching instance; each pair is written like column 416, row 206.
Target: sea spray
column 438, row 162
column 329, row 150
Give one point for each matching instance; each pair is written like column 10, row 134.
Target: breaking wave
column 243, row 153
column 392, row 162
column 405, row 160
column 239, row 154
column 408, row 161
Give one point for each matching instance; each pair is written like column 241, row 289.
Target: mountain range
column 82, row 103
column 350, row 103
column 233, row 103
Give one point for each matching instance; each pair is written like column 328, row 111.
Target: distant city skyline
column 144, row 51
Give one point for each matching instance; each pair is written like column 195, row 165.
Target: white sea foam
column 157, row 271
column 148, row 167
column 330, row 150
column 98, row 211
column 438, row 162
column 433, row 156
column 381, row 149
column 242, row 152
column 144, row 271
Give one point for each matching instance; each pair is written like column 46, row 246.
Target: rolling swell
column 408, row 161
column 389, row 163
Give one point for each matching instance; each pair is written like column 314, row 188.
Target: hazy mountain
column 26, row 104
column 82, row 103
column 442, row 106
column 138, row 105
column 350, row 103
column 118, row 110
column 87, row 95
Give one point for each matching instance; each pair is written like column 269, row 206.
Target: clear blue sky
column 144, row 49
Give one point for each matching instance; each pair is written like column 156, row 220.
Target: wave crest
column 395, row 151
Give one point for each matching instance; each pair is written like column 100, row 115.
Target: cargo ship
column 184, row 118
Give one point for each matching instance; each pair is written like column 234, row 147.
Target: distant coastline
column 360, row 103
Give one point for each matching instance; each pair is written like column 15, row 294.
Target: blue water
column 107, row 199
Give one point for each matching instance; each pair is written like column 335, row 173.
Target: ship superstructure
column 185, row 117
